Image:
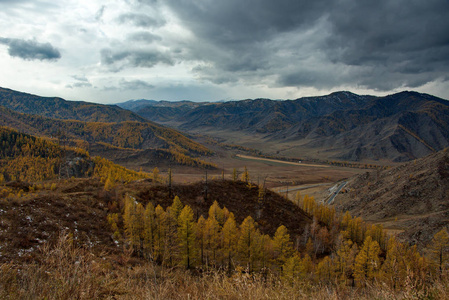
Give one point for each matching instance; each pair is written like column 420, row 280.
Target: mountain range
column 92, row 123
column 339, row 126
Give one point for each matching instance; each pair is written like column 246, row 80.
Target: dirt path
column 281, row 161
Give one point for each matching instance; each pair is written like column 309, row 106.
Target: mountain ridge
column 59, row 108
column 400, row 127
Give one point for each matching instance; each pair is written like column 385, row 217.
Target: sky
column 209, row 50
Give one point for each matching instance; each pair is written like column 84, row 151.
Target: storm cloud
column 378, row 45
column 117, row 60
column 230, row 49
column 30, row 49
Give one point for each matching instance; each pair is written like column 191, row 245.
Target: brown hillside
column 237, row 198
column 80, row 206
column 413, row 197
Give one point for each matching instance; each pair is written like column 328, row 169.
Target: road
column 304, row 187
column 332, row 197
column 281, row 161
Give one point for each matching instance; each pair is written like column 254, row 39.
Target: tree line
column 338, row 249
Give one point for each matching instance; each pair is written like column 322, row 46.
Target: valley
column 242, row 196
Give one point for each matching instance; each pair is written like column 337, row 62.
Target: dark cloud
column 378, row 45
column 141, row 20
column 30, row 49
column 120, row 59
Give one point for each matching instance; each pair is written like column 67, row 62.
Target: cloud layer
column 211, row 50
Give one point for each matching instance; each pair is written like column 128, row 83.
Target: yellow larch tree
column 212, row 240
column 200, row 239
column 247, row 241
column 439, row 248
column 282, row 245
column 149, row 230
column 186, row 234
column 367, row 262
column 230, row 238
column 160, row 234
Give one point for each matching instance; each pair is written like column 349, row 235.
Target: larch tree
column 186, row 234
column 246, row 242
column 367, row 262
column 133, row 221
column 282, row 245
column 345, row 260
column 160, row 234
column 212, row 240
column 200, row 238
column 149, row 230
column 217, row 213
column 394, row 268
column 245, row 175
column 176, row 208
column 325, row 270
column 155, row 175
column 291, row 271
column 230, row 238
column 439, row 248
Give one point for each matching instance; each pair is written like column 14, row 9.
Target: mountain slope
column 413, row 197
column 25, row 157
column 341, row 125
column 135, row 135
column 59, row 108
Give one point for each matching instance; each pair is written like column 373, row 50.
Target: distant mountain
column 136, row 104
column 413, row 197
column 59, row 108
column 342, row 125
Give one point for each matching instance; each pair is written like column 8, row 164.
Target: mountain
column 59, row 108
column 412, row 198
column 341, row 126
column 128, row 134
column 111, row 126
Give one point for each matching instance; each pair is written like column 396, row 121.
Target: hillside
column 28, row 158
column 127, row 134
column 58, row 108
column 341, row 126
column 82, row 205
column 412, row 198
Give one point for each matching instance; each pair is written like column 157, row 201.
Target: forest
column 337, row 249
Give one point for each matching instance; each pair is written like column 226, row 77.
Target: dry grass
column 69, row 272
